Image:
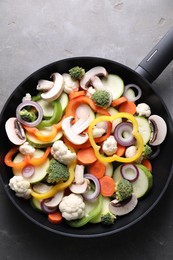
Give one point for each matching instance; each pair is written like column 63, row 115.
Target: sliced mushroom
column 56, row 90
column 159, row 129
column 97, row 83
column 71, row 135
column 122, row 208
column 15, row 131
column 54, row 201
column 96, row 71
column 80, row 184
column 44, row 85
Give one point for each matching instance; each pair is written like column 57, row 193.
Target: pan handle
column 157, row 59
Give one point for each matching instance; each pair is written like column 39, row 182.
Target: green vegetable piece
column 28, row 116
column 77, row 72
column 57, row 172
column 146, row 152
column 108, row 218
column 57, row 114
column 92, row 214
column 124, row 189
column 101, row 98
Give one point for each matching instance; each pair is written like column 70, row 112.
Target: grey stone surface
column 35, row 33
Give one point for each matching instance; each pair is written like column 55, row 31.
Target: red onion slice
column 121, row 137
column 92, row 195
column 32, row 104
column 130, row 97
column 129, row 172
column 28, row 171
column 47, row 209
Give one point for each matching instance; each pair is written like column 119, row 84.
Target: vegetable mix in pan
column 82, row 148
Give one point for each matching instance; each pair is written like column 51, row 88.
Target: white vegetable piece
column 109, row 146
column 80, row 184
column 143, row 109
column 69, row 84
column 44, row 85
column 72, row 207
column 130, row 151
column 21, row 186
column 61, row 153
column 72, row 135
column 26, row 148
column 159, row 129
column 27, row 97
column 15, row 131
column 96, row 71
column 56, row 90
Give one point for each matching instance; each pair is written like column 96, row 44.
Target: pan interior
column 162, row 166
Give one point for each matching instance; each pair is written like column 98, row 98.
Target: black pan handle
column 158, row 58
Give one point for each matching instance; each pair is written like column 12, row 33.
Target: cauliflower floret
column 20, row 186
column 143, row 110
column 130, row 151
column 90, row 91
column 98, row 131
column 27, row 97
column 26, row 148
column 69, row 83
column 72, row 207
column 109, row 145
column 61, row 153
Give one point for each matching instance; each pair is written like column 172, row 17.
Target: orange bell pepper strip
column 45, row 137
column 74, row 103
column 27, row 160
column 8, row 159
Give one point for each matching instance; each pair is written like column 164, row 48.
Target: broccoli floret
column 57, row 172
column 77, row 72
column 147, row 151
column 124, row 189
column 28, row 116
column 108, row 218
column 101, row 98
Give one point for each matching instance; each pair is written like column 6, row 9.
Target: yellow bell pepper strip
column 57, row 114
column 45, row 137
column 58, row 186
column 136, row 134
column 27, row 160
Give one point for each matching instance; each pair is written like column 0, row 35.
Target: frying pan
column 146, row 72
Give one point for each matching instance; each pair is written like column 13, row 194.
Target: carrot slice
column 120, row 150
column 128, row 107
column 107, row 186
column 147, row 164
column 76, row 94
column 97, row 169
column 55, row 217
column 118, row 101
column 86, row 156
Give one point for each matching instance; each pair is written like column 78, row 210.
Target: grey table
column 35, row 33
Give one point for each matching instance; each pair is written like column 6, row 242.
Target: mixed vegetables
column 83, row 146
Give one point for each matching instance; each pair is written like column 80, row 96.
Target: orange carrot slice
column 86, row 156
column 128, row 107
column 97, row 169
column 107, row 186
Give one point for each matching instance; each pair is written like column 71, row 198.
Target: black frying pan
column 146, row 72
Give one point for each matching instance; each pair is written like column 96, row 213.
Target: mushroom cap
column 96, row 71
column 70, row 134
column 122, row 208
column 56, row 90
column 159, row 129
column 15, row 131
